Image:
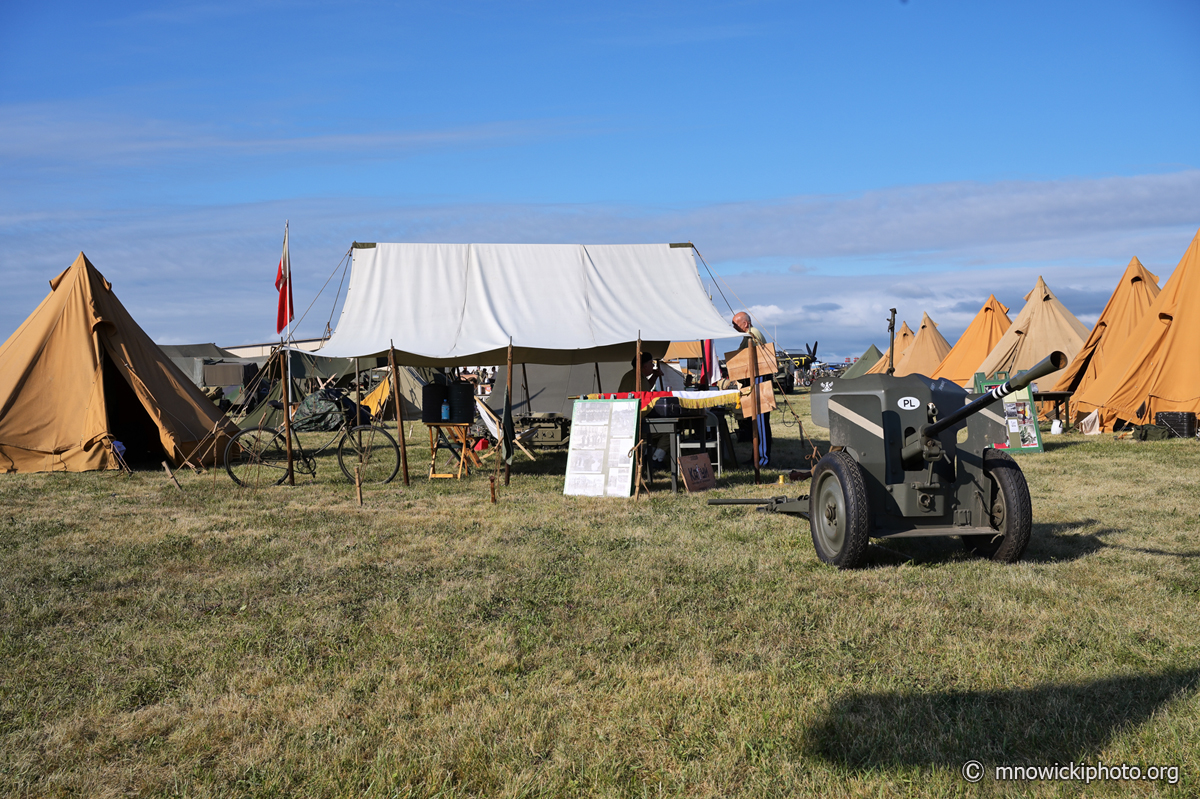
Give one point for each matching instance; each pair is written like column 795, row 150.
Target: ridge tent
column 380, row 402
column 459, row 304
column 865, row 362
column 80, row 373
column 980, row 337
column 904, row 340
column 1157, row 367
column 1043, row 326
column 1135, row 292
column 927, row 350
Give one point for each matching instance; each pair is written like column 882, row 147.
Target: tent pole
column 637, row 367
column 754, row 404
column 287, row 415
column 508, row 403
column 357, row 392
column 599, row 388
column 525, row 386
column 399, row 410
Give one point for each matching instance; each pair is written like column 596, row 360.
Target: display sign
column 600, row 454
column 697, row 472
column 738, row 363
column 1020, row 420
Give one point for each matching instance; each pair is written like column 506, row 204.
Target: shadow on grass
column 1044, row 724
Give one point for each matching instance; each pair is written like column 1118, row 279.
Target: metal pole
column 892, row 345
column 399, row 410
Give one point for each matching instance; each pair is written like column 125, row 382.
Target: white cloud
column 205, row 273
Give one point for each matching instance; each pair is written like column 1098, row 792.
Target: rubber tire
column 1016, row 527
column 806, row 382
column 380, row 455
column 839, row 491
column 256, row 458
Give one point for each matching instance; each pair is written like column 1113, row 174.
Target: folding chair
column 493, row 425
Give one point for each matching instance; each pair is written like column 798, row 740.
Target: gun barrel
column 1051, row 363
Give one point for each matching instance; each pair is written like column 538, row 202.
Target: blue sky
column 829, row 160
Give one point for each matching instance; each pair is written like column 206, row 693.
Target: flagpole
column 288, row 331
column 287, row 337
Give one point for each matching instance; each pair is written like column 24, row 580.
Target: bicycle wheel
column 372, row 450
column 256, row 458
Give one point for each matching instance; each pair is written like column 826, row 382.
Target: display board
column 599, row 458
column 1020, row 419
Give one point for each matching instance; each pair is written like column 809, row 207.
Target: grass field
column 286, row 642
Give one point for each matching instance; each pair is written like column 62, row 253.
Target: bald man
column 741, row 322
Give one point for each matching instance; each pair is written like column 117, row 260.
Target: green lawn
column 286, row 642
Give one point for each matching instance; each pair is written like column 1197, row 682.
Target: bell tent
column 904, row 340
column 865, row 362
column 984, row 332
column 80, row 374
column 1043, row 326
column 927, row 350
column 1134, row 294
column 1157, row 366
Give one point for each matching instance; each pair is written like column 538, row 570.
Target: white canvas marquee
column 447, row 304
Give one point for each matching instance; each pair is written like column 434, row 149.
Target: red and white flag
column 283, row 282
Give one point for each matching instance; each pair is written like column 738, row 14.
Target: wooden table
column 452, row 432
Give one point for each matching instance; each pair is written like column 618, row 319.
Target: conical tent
column 927, row 350
column 79, row 374
column 1043, row 326
column 1157, row 367
column 984, row 332
column 860, row 367
column 1134, row 294
column 904, row 340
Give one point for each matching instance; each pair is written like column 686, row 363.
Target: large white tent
column 448, row 304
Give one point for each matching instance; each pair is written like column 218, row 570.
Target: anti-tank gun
column 911, row 456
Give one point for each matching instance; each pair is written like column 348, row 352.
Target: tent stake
column 167, row 469
column 358, row 484
column 399, row 410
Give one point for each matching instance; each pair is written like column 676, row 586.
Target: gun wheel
column 1011, row 513
column 838, row 511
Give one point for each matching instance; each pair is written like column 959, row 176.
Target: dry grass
column 225, row 642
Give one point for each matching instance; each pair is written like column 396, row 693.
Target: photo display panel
column 599, row 458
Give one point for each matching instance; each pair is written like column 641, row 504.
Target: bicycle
column 257, row 457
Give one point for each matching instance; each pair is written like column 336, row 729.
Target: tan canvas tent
column 1157, row 367
column 79, row 374
column 1043, row 326
column 927, row 350
column 904, row 339
column 1134, row 294
column 984, row 332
